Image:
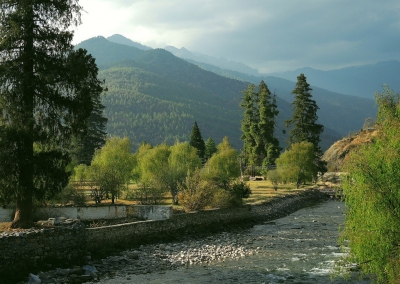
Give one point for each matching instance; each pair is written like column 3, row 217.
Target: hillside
column 337, row 154
column 362, row 81
column 155, row 96
column 340, row 113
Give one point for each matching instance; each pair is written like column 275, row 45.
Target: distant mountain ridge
column 117, row 38
column 155, row 96
column 362, row 81
column 219, row 62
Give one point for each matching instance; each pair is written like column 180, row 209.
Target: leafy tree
column 154, row 168
column 223, row 166
column 112, row 166
column 274, row 177
column 194, row 193
column 197, row 141
column 304, row 120
column 297, row 164
column 183, row 159
column 211, row 148
column 372, row 197
column 47, row 93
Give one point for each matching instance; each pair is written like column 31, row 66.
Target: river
column 299, row 248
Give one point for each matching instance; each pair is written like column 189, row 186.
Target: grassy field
column 262, row 191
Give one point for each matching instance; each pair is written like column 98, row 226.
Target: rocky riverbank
column 186, row 251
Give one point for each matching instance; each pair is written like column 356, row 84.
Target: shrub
column 274, row 177
column 146, row 195
column 194, row 193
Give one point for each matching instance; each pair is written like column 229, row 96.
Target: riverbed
column 299, row 248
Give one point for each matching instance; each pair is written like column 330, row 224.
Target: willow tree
column 47, row 92
column 372, row 196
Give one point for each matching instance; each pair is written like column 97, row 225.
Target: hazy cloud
column 269, row 35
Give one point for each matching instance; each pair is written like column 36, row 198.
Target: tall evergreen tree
column 304, row 120
column 249, row 125
column 85, row 145
column 268, row 144
column 197, row 141
column 47, row 93
column 258, row 126
column 211, row 148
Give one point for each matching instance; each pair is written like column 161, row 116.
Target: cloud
column 269, row 35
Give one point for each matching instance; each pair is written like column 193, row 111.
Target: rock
column 89, row 269
column 34, row 279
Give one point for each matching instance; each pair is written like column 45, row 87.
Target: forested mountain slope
column 341, row 113
column 156, row 97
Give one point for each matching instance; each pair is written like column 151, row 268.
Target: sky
column 268, row 35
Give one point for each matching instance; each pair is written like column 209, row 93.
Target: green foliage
column 197, row 141
column 372, row 197
column 183, row 158
column 211, row 148
column 297, row 163
column 111, row 167
column 261, row 147
column 240, row 189
column 146, row 195
column 274, row 177
column 47, row 93
column 223, row 165
column 304, row 120
column 70, row 195
column 194, row 193
column 85, row 144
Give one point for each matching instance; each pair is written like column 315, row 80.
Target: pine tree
column 85, row 145
column 249, row 125
column 304, row 120
column 258, row 126
column 47, row 93
column 211, row 148
column 268, row 144
column 197, row 141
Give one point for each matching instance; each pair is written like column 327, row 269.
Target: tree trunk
column 24, row 214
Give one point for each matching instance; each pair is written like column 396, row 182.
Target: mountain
column 107, row 52
column 117, row 38
column 155, row 96
column 362, row 81
column 219, row 62
column 341, row 113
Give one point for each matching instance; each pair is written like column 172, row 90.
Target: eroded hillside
column 338, row 152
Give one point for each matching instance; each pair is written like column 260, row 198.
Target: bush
column 194, row 194
column 146, row 195
column 274, row 177
column 70, row 195
column 241, row 190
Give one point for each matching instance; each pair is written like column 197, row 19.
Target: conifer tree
column 258, row 126
column 211, row 148
column 268, row 144
column 85, row 145
column 47, row 93
column 249, row 125
column 304, row 120
column 197, row 141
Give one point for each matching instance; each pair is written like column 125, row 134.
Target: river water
column 299, row 248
